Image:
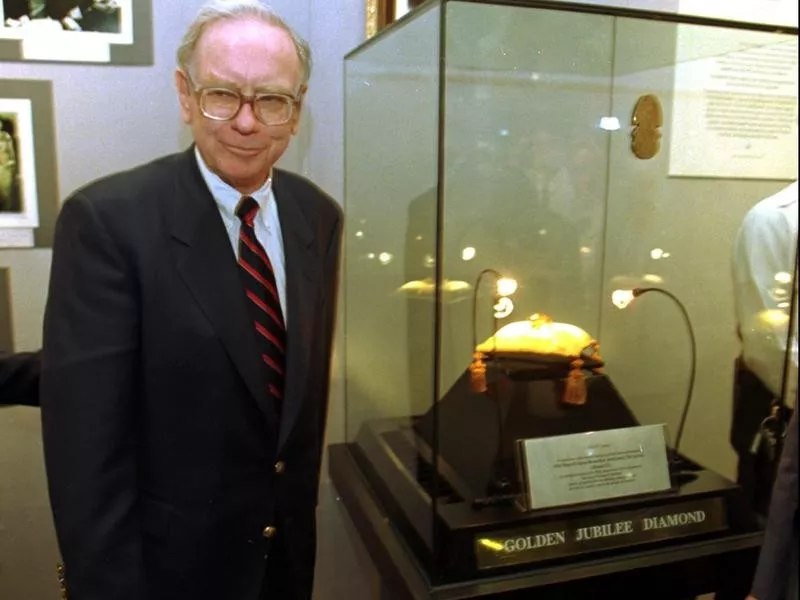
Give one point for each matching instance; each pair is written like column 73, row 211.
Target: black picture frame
column 381, row 13
column 40, row 96
column 47, row 41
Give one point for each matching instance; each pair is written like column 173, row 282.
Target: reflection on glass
column 622, row 298
column 503, row 308
column 609, row 123
column 506, row 286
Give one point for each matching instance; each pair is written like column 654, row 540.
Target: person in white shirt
column 764, row 276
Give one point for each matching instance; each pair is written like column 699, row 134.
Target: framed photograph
column 381, row 13
column 91, row 31
column 29, row 199
column 19, row 208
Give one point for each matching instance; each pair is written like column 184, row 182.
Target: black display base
column 384, row 509
column 398, row 464
column 477, row 432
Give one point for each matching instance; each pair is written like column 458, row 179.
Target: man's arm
column 331, row 273
column 19, row 378
column 89, row 419
column 775, row 558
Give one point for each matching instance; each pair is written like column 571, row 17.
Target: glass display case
column 583, row 152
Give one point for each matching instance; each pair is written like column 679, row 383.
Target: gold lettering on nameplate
column 603, row 531
column 673, row 520
column 529, row 542
column 583, row 534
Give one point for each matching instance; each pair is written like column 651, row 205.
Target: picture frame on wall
column 381, row 13
column 19, row 204
column 29, row 198
column 115, row 32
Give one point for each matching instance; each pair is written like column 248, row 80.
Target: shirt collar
column 227, row 197
column 787, row 197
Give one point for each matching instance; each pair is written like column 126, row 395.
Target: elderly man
column 187, row 341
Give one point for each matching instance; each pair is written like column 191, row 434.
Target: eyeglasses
column 223, row 104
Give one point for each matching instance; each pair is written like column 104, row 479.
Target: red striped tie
column 263, row 299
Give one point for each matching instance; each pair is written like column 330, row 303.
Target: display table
column 680, row 571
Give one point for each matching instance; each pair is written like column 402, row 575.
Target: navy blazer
column 169, row 474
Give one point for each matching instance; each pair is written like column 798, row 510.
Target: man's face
column 248, row 56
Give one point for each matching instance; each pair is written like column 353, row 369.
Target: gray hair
column 217, row 10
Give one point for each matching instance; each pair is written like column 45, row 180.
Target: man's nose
column 246, row 120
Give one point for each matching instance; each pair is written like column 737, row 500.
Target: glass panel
column 392, row 92
column 677, row 232
column 525, row 164
column 524, row 189
column 545, row 181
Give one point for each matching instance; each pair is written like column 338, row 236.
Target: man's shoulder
column 314, row 197
column 775, row 212
column 784, row 200
column 135, row 183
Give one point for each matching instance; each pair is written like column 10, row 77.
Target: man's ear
column 184, row 96
column 298, row 111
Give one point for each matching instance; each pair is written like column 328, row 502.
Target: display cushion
column 539, row 342
column 530, row 367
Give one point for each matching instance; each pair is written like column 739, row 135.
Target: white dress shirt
column 764, row 278
column 267, row 224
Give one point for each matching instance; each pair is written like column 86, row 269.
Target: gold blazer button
column 269, row 532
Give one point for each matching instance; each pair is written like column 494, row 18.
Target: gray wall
column 110, row 118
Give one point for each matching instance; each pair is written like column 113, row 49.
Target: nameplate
column 567, row 537
column 597, row 465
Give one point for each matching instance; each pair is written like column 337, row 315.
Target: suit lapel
column 302, row 292
column 207, row 264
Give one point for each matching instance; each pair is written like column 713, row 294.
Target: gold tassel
column 477, row 373
column 575, row 385
column 596, row 356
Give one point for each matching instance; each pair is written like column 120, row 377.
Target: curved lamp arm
column 497, row 276
column 635, row 293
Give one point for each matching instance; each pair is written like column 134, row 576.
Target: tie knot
column 247, row 209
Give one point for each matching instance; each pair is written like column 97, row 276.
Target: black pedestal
column 683, row 569
column 477, row 432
